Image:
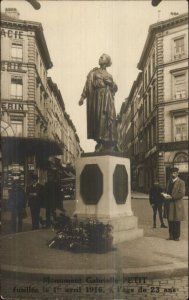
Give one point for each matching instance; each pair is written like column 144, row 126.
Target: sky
column 78, row 32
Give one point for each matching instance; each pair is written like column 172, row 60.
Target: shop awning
column 22, row 146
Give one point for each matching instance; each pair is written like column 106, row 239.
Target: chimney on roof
column 12, row 12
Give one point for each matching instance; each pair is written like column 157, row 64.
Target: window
column 17, row 51
column 145, row 107
column 148, row 139
column 179, row 48
column 149, row 71
column 41, row 68
column 16, row 88
column 145, row 79
column 154, row 95
column 154, row 132
column 17, row 126
column 153, row 63
column 180, row 128
column 181, row 158
column 37, row 58
column 149, row 102
column 180, row 86
column 41, row 95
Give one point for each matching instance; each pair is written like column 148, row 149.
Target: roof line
column 159, row 26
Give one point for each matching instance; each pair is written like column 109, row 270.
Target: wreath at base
column 84, row 236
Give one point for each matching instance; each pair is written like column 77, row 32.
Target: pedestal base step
column 127, row 235
column 125, row 228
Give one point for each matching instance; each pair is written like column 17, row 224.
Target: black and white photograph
column 94, row 150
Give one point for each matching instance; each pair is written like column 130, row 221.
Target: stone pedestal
column 103, row 191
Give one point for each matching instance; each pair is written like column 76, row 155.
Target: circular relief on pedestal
column 91, row 184
column 120, row 184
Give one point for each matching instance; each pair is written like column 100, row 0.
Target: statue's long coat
column 99, row 90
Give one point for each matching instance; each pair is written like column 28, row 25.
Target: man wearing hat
column 174, row 204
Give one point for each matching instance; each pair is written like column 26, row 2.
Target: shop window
column 179, row 51
column 181, row 158
column 180, row 128
column 17, row 52
column 17, row 126
column 180, row 86
column 16, row 88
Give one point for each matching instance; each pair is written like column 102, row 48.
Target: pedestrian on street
column 17, row 206
column 174, row 204
column 156, row 201
column 53, row 199
column 35, row 198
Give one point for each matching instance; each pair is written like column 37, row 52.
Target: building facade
column 159, row 107
column 33, row 123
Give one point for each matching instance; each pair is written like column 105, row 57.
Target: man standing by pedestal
column 53, row 199
column 174, row 204
column 156, row 202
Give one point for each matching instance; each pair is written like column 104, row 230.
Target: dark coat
column 175, row 206
column 35, row 195
column 17, row 199
column 53, row 197
column 155, row 195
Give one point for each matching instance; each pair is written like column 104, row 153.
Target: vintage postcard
column 94, row 149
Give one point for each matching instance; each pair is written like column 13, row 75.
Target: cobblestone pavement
column 141, row 209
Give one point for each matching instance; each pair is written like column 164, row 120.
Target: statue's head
column 105, row 59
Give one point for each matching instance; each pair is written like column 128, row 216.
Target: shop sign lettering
column 16, row 34
column 13, row 106
column 31, row 167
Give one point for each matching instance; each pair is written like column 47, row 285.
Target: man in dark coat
column 156, row 201
column 16, row 204
column 35, row 197
column 53, row 199
column 174, row 204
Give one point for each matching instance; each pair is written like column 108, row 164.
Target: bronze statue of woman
column 99, row 90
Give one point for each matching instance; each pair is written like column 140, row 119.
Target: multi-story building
column 159, row 113
column 32, row 109
column 124, row 127
column 63, row 131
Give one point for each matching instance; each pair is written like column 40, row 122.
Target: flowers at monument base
column 89, row 235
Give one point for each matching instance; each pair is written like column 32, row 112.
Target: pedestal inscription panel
column 120, row 184
column 91, row 184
